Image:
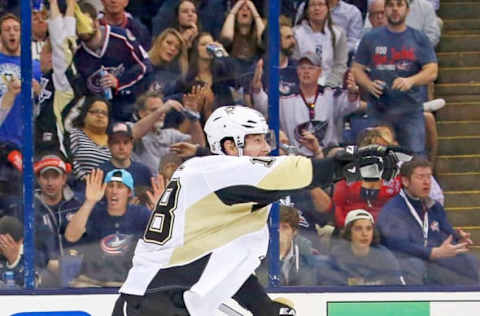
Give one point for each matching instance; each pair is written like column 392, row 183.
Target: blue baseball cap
column 120, row 175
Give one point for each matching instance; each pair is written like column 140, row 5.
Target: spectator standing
column 242, row 31
column 315, row 32
column 242, row 37
column 401, row 60
column 59, row 93
column 114, row 14
column 120, row 143
column 421, row 17
column 108, row 230
column 417, row 230
column 39, row 31
column 288, row 79
column 11, row 119
column 359, row 259
column 109, row 59
column 309, row 117
column 348, row 17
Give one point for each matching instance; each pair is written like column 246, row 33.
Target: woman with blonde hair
column 170, row 62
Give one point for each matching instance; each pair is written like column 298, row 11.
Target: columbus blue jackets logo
column 116, row 244
column 93, row 81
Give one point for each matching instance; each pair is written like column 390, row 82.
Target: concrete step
column 457, row 163
column 459, row 181
column 458, row 128
column 460, row 24
column 458, row 111
column 459, row 43
column 462, row 200
column 459, row 145
column 459, row 75
column 458, row 59
column 459, row 10
column 458, row 92
column 463, row 216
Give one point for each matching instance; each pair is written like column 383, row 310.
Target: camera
column 216, row 51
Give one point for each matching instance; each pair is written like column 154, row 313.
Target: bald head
column 376, row 13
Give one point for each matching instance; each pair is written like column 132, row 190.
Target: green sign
column 378, row 309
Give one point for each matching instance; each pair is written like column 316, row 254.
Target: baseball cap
column 120, row 175
column 315, row 59
column 51, row 162
column 120, row 129
column 358, row 214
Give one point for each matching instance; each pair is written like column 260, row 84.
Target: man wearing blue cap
column 108, row 228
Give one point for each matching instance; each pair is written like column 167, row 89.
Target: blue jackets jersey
column 11, row 129
column 390, row 55
column 402, row 233
column 109, row 241
column 124, row 58
column 139, row 30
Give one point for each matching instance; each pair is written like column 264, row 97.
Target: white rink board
column 306, row 304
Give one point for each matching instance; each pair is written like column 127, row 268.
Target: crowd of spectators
column 123, row 88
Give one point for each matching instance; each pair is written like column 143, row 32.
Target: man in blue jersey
column 111, row 62
column 11, row 119
column 401, row 61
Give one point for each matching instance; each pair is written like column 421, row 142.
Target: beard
column 288, row 51
column 400, row 21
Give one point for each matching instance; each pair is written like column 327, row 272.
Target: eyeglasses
column 377, row 13
column 98, row 112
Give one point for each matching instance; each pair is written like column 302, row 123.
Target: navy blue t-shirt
column 109, row 242
column 389, row 55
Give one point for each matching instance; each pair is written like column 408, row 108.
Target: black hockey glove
column 284, row 306
column 369, row 163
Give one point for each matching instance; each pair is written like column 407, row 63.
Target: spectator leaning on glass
column 107, row 230
column 359, row 259
column 417, row 230
column 315, row 32
column 392, row 64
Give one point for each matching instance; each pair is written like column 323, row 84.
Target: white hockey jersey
column 209, row 203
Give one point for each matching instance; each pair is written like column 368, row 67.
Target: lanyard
column 414, row 213
column 311, row 106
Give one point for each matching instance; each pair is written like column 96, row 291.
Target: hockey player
column 208, row 232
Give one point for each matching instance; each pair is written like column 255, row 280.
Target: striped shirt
column 86, row 154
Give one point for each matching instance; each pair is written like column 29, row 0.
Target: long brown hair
column 181, row 59
column 328, row 22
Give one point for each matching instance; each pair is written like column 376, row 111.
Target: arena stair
column 458, row 161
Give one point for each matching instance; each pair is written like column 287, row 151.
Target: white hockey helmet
column 234, row 121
